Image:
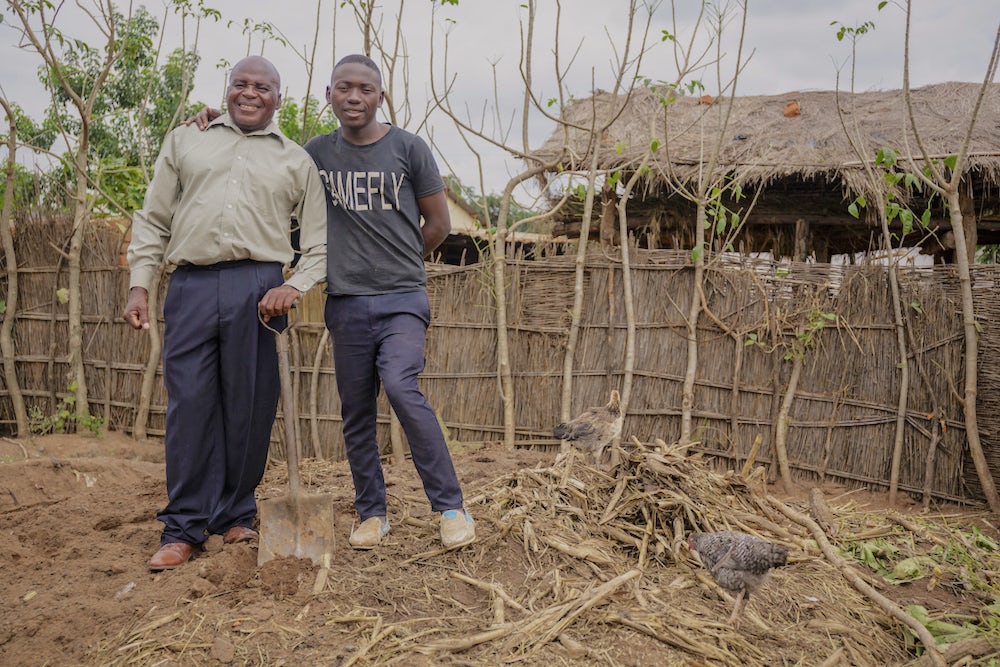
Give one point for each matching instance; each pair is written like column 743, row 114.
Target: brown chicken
column 739, row 562
column 594, row 429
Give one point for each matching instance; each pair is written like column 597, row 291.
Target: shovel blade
column 301, row 526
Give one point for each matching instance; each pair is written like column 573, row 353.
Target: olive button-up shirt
column 222, row 195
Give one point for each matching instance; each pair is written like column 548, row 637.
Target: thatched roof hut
column 794, row 148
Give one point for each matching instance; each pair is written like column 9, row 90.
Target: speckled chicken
column 739, row 562
column 595, row 428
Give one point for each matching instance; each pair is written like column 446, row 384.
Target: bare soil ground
column 547, row 583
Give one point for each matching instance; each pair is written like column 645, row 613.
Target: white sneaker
column 457, row 529
column 370, row 533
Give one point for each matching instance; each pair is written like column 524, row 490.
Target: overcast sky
column 793, row 42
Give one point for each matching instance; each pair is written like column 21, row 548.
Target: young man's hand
column 203, row 118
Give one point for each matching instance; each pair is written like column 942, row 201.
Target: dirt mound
column 574, row 565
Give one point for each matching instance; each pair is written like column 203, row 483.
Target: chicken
column 594, row 428
column 739, row 562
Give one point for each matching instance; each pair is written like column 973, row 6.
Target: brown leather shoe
column 171, row 555
column 240, row 534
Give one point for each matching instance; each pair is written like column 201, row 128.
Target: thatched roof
column 762, row 144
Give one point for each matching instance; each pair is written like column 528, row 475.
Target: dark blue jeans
column 220, row 369
column 381, row 339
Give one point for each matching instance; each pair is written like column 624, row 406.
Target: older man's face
column 253, row 95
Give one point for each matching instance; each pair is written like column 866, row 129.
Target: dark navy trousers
column 220, row 369
column 381, row 339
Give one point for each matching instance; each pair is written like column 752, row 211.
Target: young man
column 380, row 181
column 219, row 208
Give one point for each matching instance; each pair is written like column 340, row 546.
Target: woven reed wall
column 842, row 419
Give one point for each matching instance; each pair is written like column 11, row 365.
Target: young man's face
column 253, row 95
column 354, row 94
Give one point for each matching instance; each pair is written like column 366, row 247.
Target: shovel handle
column 288, row 412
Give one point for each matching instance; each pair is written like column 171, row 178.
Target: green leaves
column 894, row 181
column 886, row 157
column 942, row 631
column 696, row 253
column 872, row 553
column 302, row 124
column 984, row 541
column 854, row 208
column 853, row 32
column 911, row 569
column 195, row 8
column 64, row 417
column 264, row 30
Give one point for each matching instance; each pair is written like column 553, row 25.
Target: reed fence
column 761, row 314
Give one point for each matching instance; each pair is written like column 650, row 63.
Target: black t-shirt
column 374, row 242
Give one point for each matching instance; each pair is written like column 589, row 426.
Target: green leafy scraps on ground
column 928, row 550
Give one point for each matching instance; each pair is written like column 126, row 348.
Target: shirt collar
column 270, row 129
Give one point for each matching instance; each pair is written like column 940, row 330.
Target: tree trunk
column 781, row 429
column 10, row 305
column 929, row 461
column 566, row 407
column 969, row 227
column 81, row 220
column 971, row 353
column 801, row 240
column 608, row 209
column 904, row 366
column 691, row 371
column 628, row 297
column 499, row 258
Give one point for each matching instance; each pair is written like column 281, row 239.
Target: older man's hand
column 278, row 301
column 136, row 311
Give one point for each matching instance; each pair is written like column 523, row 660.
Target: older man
column 219, row 208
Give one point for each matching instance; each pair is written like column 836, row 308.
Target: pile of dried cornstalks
column 613, row 541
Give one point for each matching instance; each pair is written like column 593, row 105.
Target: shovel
column 295, row 524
